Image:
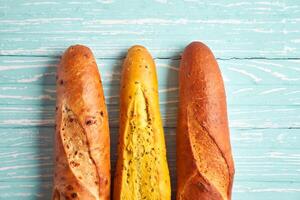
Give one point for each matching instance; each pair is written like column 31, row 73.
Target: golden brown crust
column 205, row 167
column 82, row 145
column 142, row 170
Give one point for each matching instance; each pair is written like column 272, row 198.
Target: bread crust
column 82, row 143
column 205, row 167
column 142, row 170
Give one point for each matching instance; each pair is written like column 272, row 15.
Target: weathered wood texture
column 232, row 28
column 257, row 44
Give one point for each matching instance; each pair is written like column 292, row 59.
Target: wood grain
column 263, row 116
column 32, row 164
column 256, row 42
column 231, row 28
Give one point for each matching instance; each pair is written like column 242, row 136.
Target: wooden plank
column 245, row 191
column 253, row 138
column 244, row 29
column 260, row 95
column 35, row 137
column 40, row 70
column 266, row 190
column 244, row 116
column 261, row 155
column 28, row 81
column 26, row 164
column 259, row 167
column 39, row 190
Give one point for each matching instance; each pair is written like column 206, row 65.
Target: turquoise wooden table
column 257, row 44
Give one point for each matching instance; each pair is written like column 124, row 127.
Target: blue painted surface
column 257, row 44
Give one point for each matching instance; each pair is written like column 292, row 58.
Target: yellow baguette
column 142, row 169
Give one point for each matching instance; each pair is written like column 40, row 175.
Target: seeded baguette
column 205, row 167
column 142, row 170
column 82, row 144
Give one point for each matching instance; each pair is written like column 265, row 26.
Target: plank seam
column 160, row 58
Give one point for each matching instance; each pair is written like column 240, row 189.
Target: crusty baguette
column 142, row 170
column 205, row 167
column 82, row 145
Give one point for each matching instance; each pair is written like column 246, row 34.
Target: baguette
column 82, row 144
column 205, row 167
column 142, row 170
